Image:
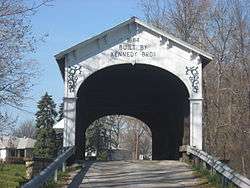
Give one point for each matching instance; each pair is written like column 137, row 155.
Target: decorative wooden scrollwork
column 73, row 73
column 193, row 77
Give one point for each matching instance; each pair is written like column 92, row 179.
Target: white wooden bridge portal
column 137, row 70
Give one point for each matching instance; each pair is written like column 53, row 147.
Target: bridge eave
column 206, row 57
column 61, row 65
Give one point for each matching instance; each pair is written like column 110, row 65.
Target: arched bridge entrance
column 136, row 70
column 153, row 95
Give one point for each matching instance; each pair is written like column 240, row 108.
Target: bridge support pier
column 196, row 123
column 69, row 121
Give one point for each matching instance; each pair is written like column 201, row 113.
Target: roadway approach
column 136, row 173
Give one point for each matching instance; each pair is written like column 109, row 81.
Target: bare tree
column 220, row 27
column 181, row 18
column 7, row 124
column 155, row 12
column 119, row 132
column 137, row 137
column 16, row 40
column 26, row 129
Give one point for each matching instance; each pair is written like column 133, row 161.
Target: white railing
column 227, row 174
column 51, row 171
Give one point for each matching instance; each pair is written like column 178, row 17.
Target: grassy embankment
column 213, row 179
column 12, row 175
column 63, row 177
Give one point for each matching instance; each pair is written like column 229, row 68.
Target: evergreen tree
column 101, row 136
column 97, row 138
column 45, row 145
column 59, row 132
column 60, row 112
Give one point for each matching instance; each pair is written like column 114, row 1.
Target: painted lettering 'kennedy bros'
column 133, row 48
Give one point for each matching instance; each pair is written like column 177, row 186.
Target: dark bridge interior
column 153, row 95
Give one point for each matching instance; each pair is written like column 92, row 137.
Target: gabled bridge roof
column 206, row 56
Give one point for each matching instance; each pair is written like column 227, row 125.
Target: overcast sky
column 68, row 23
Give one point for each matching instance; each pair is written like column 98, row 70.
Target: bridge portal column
column 69, row 121
column 196, row 123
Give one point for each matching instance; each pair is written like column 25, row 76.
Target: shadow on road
column 77, row 180
column 143, row 174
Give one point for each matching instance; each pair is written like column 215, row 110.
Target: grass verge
column 214, row 179
column 61, row 177
column 12, row 175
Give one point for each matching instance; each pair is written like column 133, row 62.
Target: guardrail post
column 211, row 170
column 224, row 181
column 196, row 161
column 204, row 165
column 63, row 167
column 192, row 159
column 55, row 175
